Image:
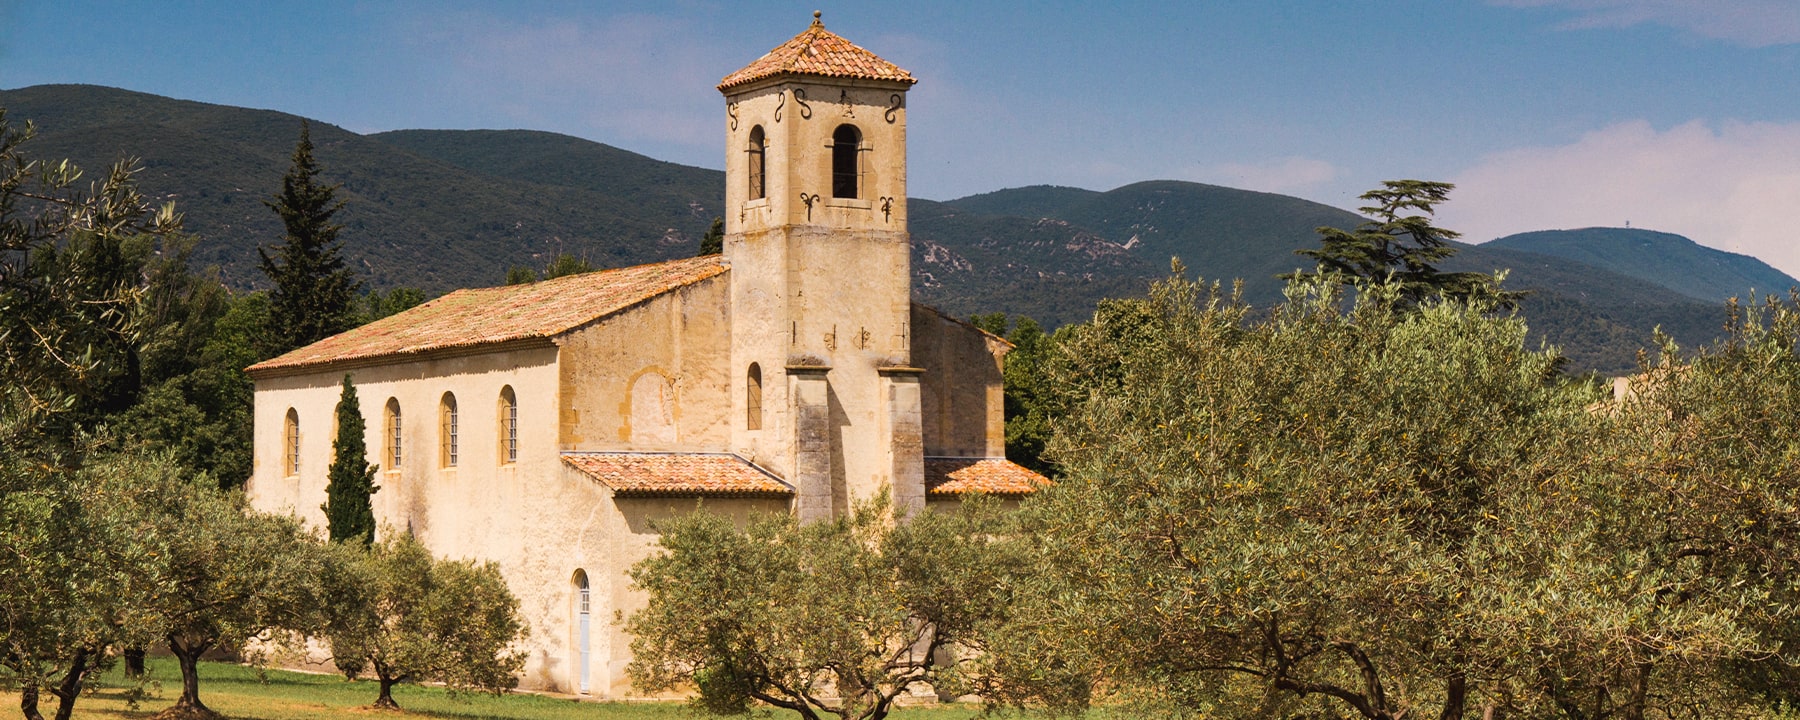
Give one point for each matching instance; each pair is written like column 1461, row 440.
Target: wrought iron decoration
column 731, row 112
column 887, row 209
column 800, row 98
column 781, row 98
column 809, row 199
column 895, row 102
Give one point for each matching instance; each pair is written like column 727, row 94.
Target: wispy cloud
column 1735, row 186
column 1755, row 23
column 1278, row 175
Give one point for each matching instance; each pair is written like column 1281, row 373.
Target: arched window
column 846, row 144
column 757, row 165
column 509, row 426
column 447, row 431
column 753, row 398
column 582, row 626
column 390, row 423
column 290, row 443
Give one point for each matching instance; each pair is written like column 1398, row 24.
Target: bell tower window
column 846, row 144
column 757, row 164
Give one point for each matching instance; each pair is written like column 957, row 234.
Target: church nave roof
column 486, row 316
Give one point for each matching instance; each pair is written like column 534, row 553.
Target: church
column 548, row 427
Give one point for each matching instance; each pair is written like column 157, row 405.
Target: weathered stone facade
column 548, row 427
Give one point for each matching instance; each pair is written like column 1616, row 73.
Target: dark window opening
column 753, row 398
column 757, row 166
column 846, row 143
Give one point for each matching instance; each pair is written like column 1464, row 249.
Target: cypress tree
column 714, row 242
column 315, row 294
column 348, row 513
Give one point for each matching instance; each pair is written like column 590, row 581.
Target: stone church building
column 549, row 426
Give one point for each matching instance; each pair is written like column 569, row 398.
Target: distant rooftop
column 818, row 51
column 948, row 477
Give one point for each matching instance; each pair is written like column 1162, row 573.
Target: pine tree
column 315, row 293
column 1401, row 249
column 714, row 242
column 348, row 513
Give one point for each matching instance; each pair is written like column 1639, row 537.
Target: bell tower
column 816, row 237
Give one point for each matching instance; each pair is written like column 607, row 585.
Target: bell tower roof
column 817, row 51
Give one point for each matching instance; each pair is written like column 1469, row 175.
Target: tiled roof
column 679, row 474
column 994, row 476
column 483, row 316
column 818, row 51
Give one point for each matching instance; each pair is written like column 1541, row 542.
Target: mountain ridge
column 440, row 209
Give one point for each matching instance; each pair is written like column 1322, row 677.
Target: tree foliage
column 413, row 618
column 714, row 241
column 71, row 290
column 349, row 513
column 71, row 570
column 314, row 295
column 1400, row 247
column 842, row 617
column 1383, row 510
column 226, row 575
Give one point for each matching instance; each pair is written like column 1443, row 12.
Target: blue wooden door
column 581, row 634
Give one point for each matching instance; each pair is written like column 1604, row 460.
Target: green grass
column 242, row 692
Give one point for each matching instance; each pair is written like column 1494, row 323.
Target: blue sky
column 1681, row 115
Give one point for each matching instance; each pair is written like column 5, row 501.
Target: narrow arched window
column 447, row 422
column 509, row 426
column 846, row 144
column 390, row 423
column 290, row 443
column 753, row 398
column 757, row 164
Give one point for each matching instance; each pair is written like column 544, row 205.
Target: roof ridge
column 476, row 317
column 817, row 51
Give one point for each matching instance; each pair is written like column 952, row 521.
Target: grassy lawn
column 239, row 692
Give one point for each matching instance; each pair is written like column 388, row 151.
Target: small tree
column 566, row 264
column 1400, row 249
column 349, row 515
column 714, row 241
column 315, row 293
column 225, row 575
column 831, row 618
column 73, row 568
column 413, row 618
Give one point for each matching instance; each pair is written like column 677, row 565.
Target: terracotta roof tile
column 818, row 51
column 664, row 474
column 945, row 476
column 483, row 316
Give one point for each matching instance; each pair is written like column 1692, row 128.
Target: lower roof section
column 648, row 474
column 953, row 476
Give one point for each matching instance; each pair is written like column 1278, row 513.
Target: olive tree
column 224, row 574
column 1296, row 515
column 410, row 617
column 842, row 617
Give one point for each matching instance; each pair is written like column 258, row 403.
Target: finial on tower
column 816, row 21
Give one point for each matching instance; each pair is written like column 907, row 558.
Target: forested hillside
column 442, row 209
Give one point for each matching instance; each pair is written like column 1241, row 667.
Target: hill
column 1666, row 259
column 441, row 209
column 412, row 218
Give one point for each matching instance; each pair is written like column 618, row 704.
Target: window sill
column 757, row 203
column 848, row 203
